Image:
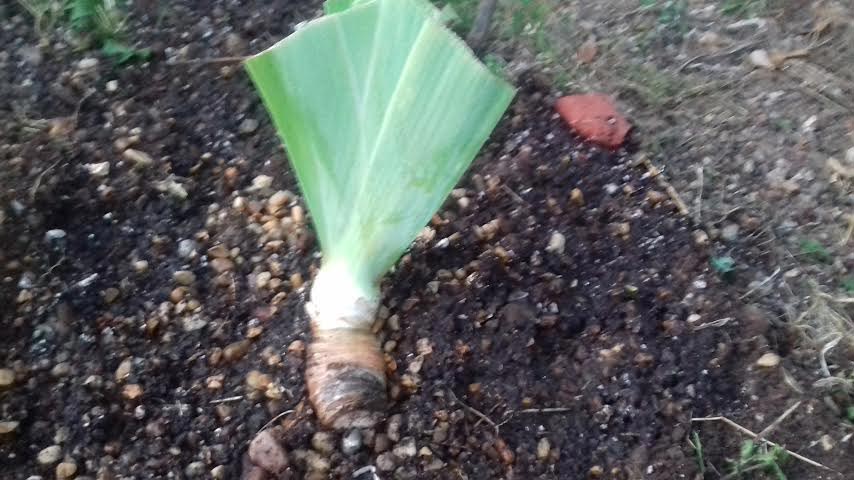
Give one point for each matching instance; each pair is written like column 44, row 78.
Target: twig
column 475, row 411
column 762, row 284
column 756, row 437
column 732, row 51
column 273, row 420
column 480, row 27
column 655, row 173
column 510, row 414
column 512, row 194
column 765, row 431
column 698, row 215
column 235, row 398
column 207, row 61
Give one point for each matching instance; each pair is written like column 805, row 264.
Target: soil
column 531, row 332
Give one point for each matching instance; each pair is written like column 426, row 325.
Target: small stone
column 218, row 472
column 87, row 63
column 61, row 369
column 218, row 251
column 100, row 169
column 576, row 198
column 277, row 201
column 248, row 126
column 730, row 232
column 111, row 86
column 701, row 238
column 214, row 382
column 323, row 442
column 768, row 360
column 296, row 280
column 543, row 449
column 124, row 369
column 132, row 392
column 54, row 235
column 261, row 182
column 266, row 452
column 352, row 442
column 7, row 377
column 66, row 470
column 557, row 243
column 222, row 265
column 195, row 469
column 177, row 294
column 654, row 197
column 297, row 214
column 257, row 380
column 406, row 448
column 393, row 427
column 138, row 158
column 262, row 280
column 49, row 455
column 386, row 462
column 187, row 248
column 8, row 427
column 140, row 266
column 184, row 277
column 111, row 294
column 596, row 471
column 761, row 59
column 644, row 360
column 254, row 332
column 826, row 442
column 297, row 348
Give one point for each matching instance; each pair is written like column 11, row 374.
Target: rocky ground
column 564, row 316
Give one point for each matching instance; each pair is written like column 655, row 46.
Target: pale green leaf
column 381, row 109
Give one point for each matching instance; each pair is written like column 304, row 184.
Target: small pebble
column 386, row 462
column 557, row 243
column 195, row 470
column 218, row 472
column 406, row 448
column 132, row 392
column 138, row 158
column 100, row 169
column 323, row 442
column 248, row 125
column 576, row 197
column 266, row 452
column 140, row 266
column 187, row 248
column 543, row 449
column 49, row 455
column 124, row 369
column 221, row 265
column 768, row 360
column 7, row 377
column 8, row 427
column 66, row 470
column 352, row 442
column 261, row 182
column 184, row 277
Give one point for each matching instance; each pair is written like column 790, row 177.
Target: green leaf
column 816, row 252
column 122, row 54
column 381, row 110
column 848, row 285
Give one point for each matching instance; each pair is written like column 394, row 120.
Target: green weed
column 816, row 252
column 98, row 23
column 697, row 445
column 744, row 8
column 756, row 458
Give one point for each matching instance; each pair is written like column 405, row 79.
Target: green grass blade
column 381, row 109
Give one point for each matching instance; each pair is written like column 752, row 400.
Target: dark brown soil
column 505, row 326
